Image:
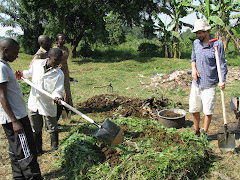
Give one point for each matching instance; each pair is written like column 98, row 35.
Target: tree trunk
column 73, row 52
column 226, row 43
column 74, row 43
column 232, row 36
column 176, row 43
column 166, row 50
column 175, row 47
column 166, row 47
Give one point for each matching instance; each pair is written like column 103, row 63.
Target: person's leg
column 36, row 121
column 59, row 111
column 209, row 102
column 23, row 152
column 16, row 170
column 52, row 128
column 29, row 165
column 196, row 120
column 207, row 121
column 195, row 107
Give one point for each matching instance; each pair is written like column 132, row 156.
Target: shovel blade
column 226, row 144
column 110, row 133
column 119, row 138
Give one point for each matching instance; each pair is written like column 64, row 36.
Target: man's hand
column 222, row 86
column 57, row 100
column 17, row 127
column 18, row 74
column 195, row 74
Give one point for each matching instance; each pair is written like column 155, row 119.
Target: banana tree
column 220, row 16
column 165, row 37
column 176, row 10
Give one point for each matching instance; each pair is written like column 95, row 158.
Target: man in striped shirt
column 205, row 75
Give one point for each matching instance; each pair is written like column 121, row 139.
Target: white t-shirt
column 52, row 81
column 14, row 94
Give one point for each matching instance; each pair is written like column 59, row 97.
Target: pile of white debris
column 182, row 78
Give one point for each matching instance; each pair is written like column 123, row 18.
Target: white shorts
column 202, row 99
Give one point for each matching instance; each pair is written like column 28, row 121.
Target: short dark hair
column 58, row 35
column 42, row 38
column 8, row 42
column 55, row 52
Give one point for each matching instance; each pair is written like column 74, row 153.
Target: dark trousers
column 59, row 111
column 22, row 152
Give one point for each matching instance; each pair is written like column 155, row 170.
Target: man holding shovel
column 45, row 74
column 205, row 75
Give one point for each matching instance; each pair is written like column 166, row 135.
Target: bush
column 148, row 49
column 86, row 50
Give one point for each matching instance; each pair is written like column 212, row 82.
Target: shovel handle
column 212, row 40
column 62, row 102
column 220, row 81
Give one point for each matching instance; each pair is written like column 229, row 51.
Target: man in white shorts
column 205, row 75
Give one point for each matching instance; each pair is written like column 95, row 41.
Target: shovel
column 108, row 131
column 234, row 102
column 226, row 141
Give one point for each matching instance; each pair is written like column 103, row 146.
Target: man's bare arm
column 195, row 73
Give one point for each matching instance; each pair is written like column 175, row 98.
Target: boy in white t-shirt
column 14, row 119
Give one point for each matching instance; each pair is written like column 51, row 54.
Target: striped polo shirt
column 206, row 63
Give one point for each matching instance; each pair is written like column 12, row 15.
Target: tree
column 27, row 16
column 72, row 17
column 114, row 28
column 148, row 28
column 136, row 32
column 10, row 33
column 76, row 17
column 165, row 36
column 176, row 9
column 218, row 14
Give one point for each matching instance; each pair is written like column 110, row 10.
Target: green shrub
column 85, row 50
column 148, row 49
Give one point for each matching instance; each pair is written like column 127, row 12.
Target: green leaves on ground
column 150, row 151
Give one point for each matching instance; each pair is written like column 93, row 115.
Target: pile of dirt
column 171, row 114
column 160, row 136
column 116, row 105
column 112, row 156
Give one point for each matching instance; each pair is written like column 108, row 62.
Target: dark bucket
column 172, row 122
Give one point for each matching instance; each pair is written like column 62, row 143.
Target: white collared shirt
column 52, row 81
column 14, row 94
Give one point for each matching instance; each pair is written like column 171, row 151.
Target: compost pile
column 164, row 153
column 121, row 106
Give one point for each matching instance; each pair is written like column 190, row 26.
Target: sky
column 4, row 29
